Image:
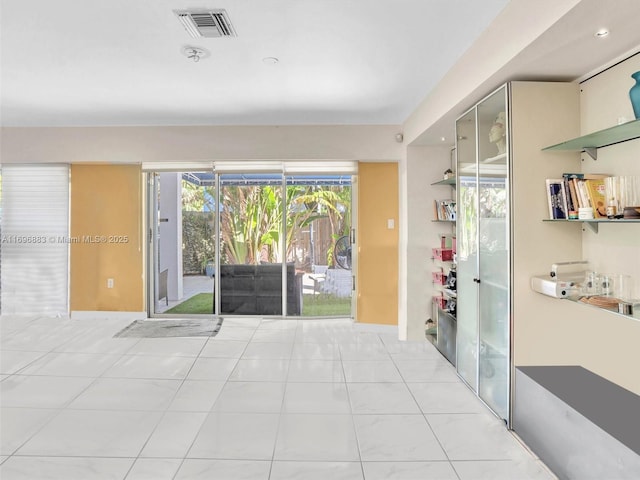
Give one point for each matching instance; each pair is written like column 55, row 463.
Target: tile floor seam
column 55, row 415
column 353, row 422
column 186, row 455
column 317, row 335
column 17, row 372
column 34, row 455
column 430, row 427
column 59, row 411
column 284, row 396
column 164, row 412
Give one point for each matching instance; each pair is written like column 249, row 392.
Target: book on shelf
column 578, row 193
column 582, row 193
column 597, row 196
column 587, row 176
column 572, row 204
column 556, row 198
column 445, row 210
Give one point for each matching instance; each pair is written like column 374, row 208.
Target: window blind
column 35, row 229
column 288, row 167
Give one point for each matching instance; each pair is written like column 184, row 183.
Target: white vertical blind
column 35, row 227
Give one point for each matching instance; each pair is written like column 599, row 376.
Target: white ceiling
column 565, row 49
column 119, row 62
column 361, row 62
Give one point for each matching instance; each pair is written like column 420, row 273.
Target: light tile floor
column 265, row 399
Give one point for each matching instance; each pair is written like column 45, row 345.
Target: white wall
column 158, row 144
column 421, row 167
column 604, row 99
column 559, row 332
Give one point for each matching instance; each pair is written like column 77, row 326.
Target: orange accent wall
column 377, row 280
column 106, row 209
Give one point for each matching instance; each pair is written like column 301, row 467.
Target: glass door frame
column 476, row 180
column 472, row 181
column 151, row 225
column 218, row 240
column 489, row 280
column 152, row 228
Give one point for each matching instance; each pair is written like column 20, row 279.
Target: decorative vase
column 634, row 95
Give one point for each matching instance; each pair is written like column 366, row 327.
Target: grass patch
column 199, row 303
column 325, row 305
column 312, row 305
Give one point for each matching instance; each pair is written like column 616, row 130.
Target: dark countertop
column 611, row 407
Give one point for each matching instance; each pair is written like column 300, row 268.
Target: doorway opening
column 266, row 244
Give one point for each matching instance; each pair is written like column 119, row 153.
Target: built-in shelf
column 593, row 223
column 450, row 293
column 448, row 314
column 635, row 315
column 447, row 181
column 500, row 158
column 602, row 138
column 442, row 261
column 444, row 221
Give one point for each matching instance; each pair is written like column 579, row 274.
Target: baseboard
column 107, row 315
column 376, row 328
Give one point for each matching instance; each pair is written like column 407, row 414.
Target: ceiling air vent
column 206, row 23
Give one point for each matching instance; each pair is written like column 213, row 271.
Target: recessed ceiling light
column 603, row 32
column 442, row 139
column 270, row 60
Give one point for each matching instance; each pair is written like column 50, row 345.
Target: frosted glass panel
column 467, row 250
column 493, row 367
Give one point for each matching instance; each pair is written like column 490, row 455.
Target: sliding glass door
column 183, row 247
column 319, row 242
column 266, row 244
column 251, row 233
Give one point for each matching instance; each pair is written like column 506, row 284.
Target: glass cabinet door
column 493, row 248
column 467, row 249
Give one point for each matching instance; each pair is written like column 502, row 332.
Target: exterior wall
column 377, row 263
column 170, row 232
column 106, row 202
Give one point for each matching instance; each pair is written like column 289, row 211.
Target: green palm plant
column 249, row 222
column 251, row 218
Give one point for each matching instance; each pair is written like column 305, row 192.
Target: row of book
column 574, row 191
column 444, row 210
